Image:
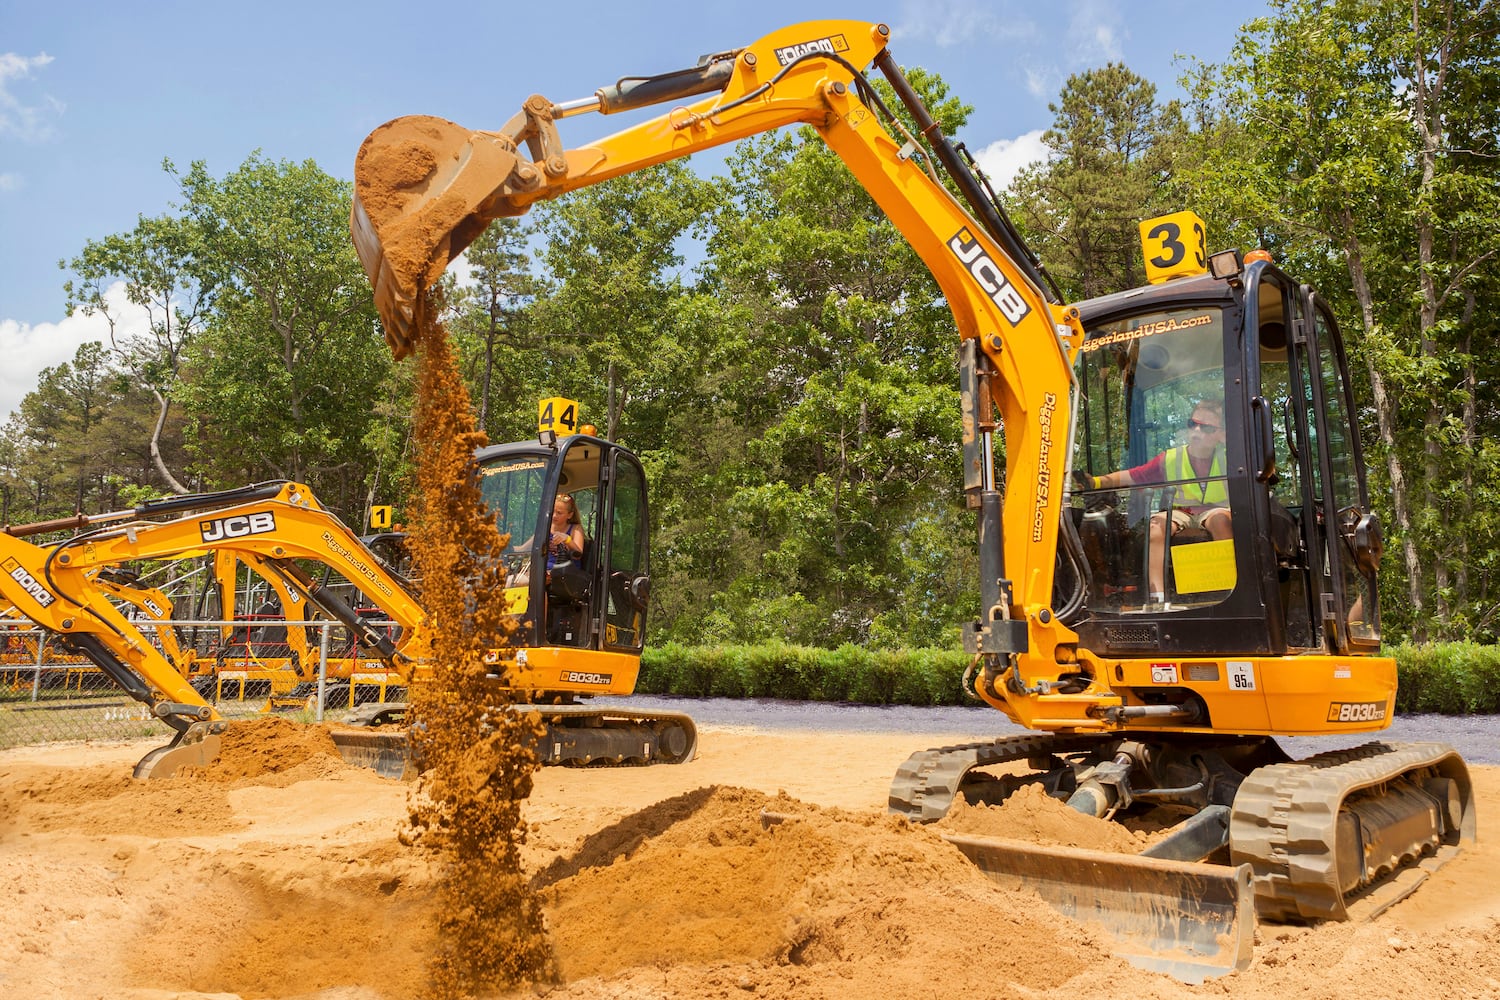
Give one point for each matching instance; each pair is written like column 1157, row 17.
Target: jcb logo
column 237, row 526
column 989, row 276
column 1356, row 711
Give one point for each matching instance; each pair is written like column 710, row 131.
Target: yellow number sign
column 380, row 518
column 1175, row 246
column 557, row 414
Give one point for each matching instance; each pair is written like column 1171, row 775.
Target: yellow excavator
column 1154, row 629
column 81, row 590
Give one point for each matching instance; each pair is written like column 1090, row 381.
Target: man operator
column 1202, row 498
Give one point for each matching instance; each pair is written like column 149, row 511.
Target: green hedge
column 1453, row 678
column 1458, row 678
column 803, row 673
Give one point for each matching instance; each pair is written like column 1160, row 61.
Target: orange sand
column 659, row 882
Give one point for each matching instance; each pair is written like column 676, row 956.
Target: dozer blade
column 385, row 751
column 198, row 746
column 419, row 184
column 1188, row 920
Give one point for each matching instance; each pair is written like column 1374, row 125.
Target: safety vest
column 1196, row 492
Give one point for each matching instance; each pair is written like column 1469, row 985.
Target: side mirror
column 1369, row 543
column 640, row 591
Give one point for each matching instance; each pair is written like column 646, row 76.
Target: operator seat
column 569, row 587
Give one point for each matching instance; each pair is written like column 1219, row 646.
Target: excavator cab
column 1250, row 362
column 581, row 622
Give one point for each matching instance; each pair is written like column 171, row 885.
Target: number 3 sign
column 1175, row 246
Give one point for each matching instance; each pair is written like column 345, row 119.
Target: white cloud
column 1094, row 32
column 10, row 182
column 1042, row 45
column 28, row 348
column 1003, row 159
column 29, row 120
column 957, row 22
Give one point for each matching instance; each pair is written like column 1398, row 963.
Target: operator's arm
column 1151, row 472
column 573, row 539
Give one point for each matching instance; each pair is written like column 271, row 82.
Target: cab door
column 625, row 560
column 1341, row 535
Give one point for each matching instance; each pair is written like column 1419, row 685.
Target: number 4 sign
column 558, row 415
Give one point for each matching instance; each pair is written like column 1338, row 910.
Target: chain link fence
column 247, row 667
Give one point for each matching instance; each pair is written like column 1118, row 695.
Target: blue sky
column 94, row 96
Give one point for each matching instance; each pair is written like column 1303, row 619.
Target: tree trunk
column 1385, row 420
column 162, row 405
column 1429, row 123
column 612, row 416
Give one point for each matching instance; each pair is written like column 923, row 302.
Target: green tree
column 1112, row 148
column 500, row 348
column 80, row 439
column 292, row 359
column 613, row 253
column 160, row 265
column 1367, row 126
column 835, row 404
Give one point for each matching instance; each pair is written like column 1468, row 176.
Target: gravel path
column 1475, row 737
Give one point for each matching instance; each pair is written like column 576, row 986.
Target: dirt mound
column 292, row 922
column 107, row 800
column 1031, row 814
column 882, row 905
column 667, row 887
column 270, row 746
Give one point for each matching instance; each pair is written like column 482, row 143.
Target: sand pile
column 270, row 746
column 657, row 883
column 1031, row 814
column 105, row 799
column 880, row 906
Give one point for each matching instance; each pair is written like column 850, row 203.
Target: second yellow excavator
column 1178, row 559
column 80, row 590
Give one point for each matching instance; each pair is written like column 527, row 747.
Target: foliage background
column 783, row 362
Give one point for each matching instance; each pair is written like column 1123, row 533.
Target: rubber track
column 385, row 750
column 608, row 715
column 925, row 786
column 1284, row 823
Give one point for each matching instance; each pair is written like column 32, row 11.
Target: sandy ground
column 660, row 883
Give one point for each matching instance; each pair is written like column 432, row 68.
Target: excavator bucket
column 198, row 746
column 419, row 185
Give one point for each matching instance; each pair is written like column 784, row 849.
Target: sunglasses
column 1201, row 426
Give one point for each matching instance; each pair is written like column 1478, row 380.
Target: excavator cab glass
column 597, row 599
column 1154, row 390
column 1243, row 525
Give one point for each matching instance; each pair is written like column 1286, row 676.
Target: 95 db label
column 1241, row 675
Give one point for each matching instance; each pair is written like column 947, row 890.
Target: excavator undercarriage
column 576, row 735
column 1336, row 836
